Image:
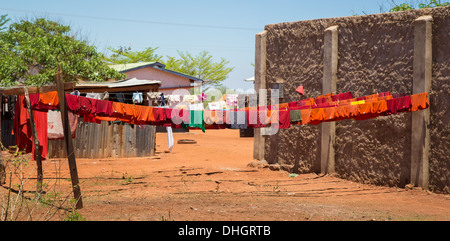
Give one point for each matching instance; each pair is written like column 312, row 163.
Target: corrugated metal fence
column 108, row 140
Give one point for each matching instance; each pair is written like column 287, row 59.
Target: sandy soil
column 211, row 180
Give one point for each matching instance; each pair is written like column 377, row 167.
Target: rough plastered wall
column 375, row 55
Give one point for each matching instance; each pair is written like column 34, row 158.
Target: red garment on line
column 400, row 104
column 22, row 128
column 72, row 102
column 103, row 108
column 342, row 96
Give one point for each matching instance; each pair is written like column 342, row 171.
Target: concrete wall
column 375, row 54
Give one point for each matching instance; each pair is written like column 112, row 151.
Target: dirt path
column 210, row 180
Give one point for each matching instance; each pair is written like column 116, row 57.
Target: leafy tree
column 31, row 51
column 201, row 66
column 410, row 6
column 3, row 20
column 124, row 55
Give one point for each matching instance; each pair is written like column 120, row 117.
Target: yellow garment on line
column 358, row 102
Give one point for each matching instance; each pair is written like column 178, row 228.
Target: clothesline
column 311, row 111
column 328, row 107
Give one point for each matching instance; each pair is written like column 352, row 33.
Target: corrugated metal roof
column 131, row 66
column 120, row 83
column 156, row 65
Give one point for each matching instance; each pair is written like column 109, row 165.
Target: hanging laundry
column 212, row 117
column 383, row 94
column 105, row 95
column 158, row 116
column 342, row 96
column 49, row 98
column 75, row 92
column 419, row 102
column 85, row 105
column 120, row 97
column 198, row 106
column 96, row 96
column 196, row 119
column 162, row 100
column 137, row 98
column 169, row 137
column 400, row 104
column 296, row 116
column 72, row 102
column 359, row 102
column 103, row 108
column 237, row 119
column 202, row 97
column 178, row 116
column 218, row 105
column 55, row 128
column 190, row 99
column 317, row 115
column 142, row 114
column 22, row 128
column 174, row 99
column 232, row 100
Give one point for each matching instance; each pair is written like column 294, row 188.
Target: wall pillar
column 260, row 83
column 420, row 136
column 328, row 129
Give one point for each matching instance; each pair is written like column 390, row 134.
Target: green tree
column 410, row 6
column 3, row 20
column 124, row 55
column 201, row 66
column 31, row 51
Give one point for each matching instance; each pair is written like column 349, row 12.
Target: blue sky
column 225, row 28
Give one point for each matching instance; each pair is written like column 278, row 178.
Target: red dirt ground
column 211, row 180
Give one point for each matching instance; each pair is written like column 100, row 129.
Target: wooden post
column 68, row 145
column 2, row 164
column 420, row 136
column 260, row 84
column 328, row 129
column 37, row 150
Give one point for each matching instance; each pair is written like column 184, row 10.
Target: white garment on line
column 170, row 137
column 94, row 96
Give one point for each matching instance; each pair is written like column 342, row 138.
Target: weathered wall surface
column 375, row 55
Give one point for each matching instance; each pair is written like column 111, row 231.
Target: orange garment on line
column 282, row 106
column 308, row 102
column 212, row 117
column 330, row 114
column 369, row 110
column 352, row 111
column 306, row 114
column 419, row 101
column 342, row 112
column 368, row 97
column 128, row 109
column 379, row 106
column 347, row 101
column 49, row 98
column 142, row 114
column 317, row 115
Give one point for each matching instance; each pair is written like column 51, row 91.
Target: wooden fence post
column 68, row 140
column 37, row 150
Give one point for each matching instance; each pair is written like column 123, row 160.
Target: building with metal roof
column 170, row 80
